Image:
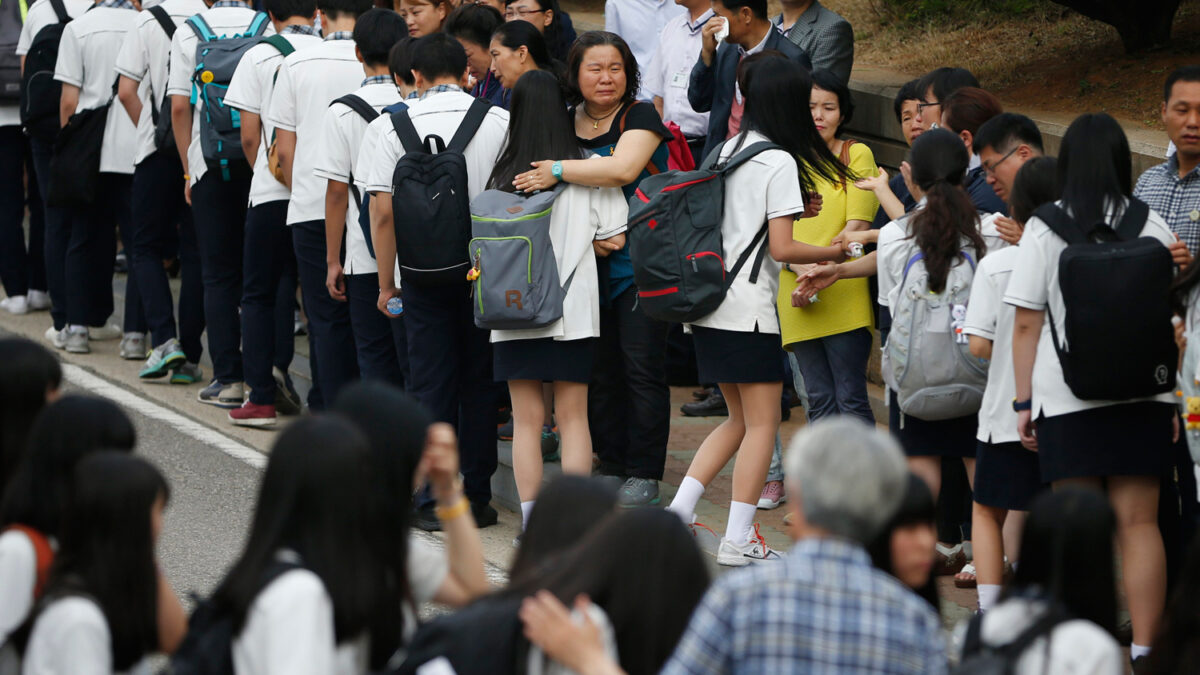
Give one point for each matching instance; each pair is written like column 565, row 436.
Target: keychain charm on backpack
column 959, row 315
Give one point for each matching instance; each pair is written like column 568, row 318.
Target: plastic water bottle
column 395, row 306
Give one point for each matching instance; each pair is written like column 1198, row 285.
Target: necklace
column 597, row 120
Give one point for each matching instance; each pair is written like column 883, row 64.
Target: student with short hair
column 424, row 17
column 108, row 605
column 963, row 112
column 309, row 81
column 1004, row 144
column 352, row 275
column 269, row 264
column 935, row 87
column 473, row 25
column 86, row 56
column 449, row 357
column 161, row 222
column 219, row 205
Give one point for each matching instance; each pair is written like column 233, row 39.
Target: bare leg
column 1013, row 526
column 760, row 410
column 721, row 444
column 1143, row 560
column 527, row 436
column 986, row 524
column 570, row 401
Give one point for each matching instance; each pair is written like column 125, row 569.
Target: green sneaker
column 162, row 360
column 187, row 373
column 550, row 445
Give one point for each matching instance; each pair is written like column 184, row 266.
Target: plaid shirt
column 115, row 4
column 231, row 3
column 299, row 29
column 378, row 79
column 340, row 35
column 1176, row 199
column 823, row 609
column 439, row 89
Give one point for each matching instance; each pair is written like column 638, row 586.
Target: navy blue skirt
column 543, row 359
column 1128, row 439
column 1007, row 476
column 737, row 357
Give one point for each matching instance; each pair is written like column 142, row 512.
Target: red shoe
column 253, row 415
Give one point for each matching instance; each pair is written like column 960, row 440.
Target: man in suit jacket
column 823, row 34
column 713, row 84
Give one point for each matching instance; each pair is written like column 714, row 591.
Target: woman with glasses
column 548, row 18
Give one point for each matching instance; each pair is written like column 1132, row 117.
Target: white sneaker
column 77, row 340
column 109, row 332
column 58, row 338
column 755, row 550
column 16, row 304
column 38, row 300
column 133, row 346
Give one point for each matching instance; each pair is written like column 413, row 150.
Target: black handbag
column 75, row 166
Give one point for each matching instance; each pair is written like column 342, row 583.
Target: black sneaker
column 484, row 514
column 426, row 519
column 713, row 406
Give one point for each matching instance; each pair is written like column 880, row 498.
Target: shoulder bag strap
column 1133, row 220
column 1061, row 224
column 60, row 11
column 160, row 15
column 280, row 43
column 410, row 140
column 200, row 27
column 258, row 26
column 358, row 105
column 759, row 244
column 470, row 124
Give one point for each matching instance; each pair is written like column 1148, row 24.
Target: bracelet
column 186, row 177
column 448, row 513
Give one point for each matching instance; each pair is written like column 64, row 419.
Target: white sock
column 988, row 595
column 1136, row 651
column 684, row 503
column 526, row 509
column 741, row 517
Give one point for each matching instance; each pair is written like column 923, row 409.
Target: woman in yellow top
column 830, row 339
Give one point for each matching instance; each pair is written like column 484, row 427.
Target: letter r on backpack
column 513, row 298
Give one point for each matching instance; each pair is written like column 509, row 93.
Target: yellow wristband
column 448, row 513
column 186, row 177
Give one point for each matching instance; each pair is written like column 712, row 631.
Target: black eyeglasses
column 990, row 169
column 520, row 12
column 923, row 105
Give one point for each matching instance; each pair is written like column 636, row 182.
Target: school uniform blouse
column 581, row 215
column 71, row 636
column 18, row 576
column 1035, row 285
column 766, row 187
column 990, row 318
column 1076, row 646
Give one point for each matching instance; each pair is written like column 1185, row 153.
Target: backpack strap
column 1061, row 223
column 358, row 105
column 160, row 15
column 759, row 244
column 280, row 43
column 746, row 154
column 844, row 156
column 259, row 26
column 470, row 124
column 919, row 256
column 43, row 555
column 410, row 140
column 1133, row 220
column 201, row 28
column 973, row 643
column 650, row 168
column 60, row 11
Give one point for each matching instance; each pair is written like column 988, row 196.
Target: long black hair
column 395, row 426
column 775, row 88
column 1176, row 648
column 63, row 433
column 939, row 162
column 600, row 38
column 106, row 550
column 1033, row 186
column 1095, row 169
column 1067, row 553
column 648, row 599
column 28, row 372
column 538, row 127
column 566, row 510
column 314, row 501
column 917, row 508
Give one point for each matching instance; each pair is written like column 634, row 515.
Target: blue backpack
column 216, row 60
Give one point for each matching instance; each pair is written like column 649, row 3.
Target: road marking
column 95, row 384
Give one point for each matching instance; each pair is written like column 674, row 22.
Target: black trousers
column 57, row 234
column 329, row 332
column 162, row 228
column 381, row 343
column 21, row 268
column 629, row 402
column 219, row 210
column 268, row 298
column 91, row 253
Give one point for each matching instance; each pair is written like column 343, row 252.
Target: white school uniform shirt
column 337, row 151
column 1077, row 647
column 251, row 89
column 991, row 234
column 671, row 69
column 40, row 15
column 308, row 82
column 145, row 57
column 767, row 186
column 1035, row 285
column 223, row 21
column 18, row 577
column 71, row 636
column 86, row 56
column 437, row 113
column 990, row 318
column 581, row 215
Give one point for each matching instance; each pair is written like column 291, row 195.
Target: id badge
column 680, row 79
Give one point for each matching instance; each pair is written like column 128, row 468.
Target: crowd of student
column 321, row 136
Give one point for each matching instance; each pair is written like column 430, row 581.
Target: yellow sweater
column 846, row 305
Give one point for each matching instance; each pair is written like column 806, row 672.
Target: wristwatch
column 1019, row 406
column 556, row 170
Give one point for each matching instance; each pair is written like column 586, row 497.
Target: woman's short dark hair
column 599, row 38
column 946, row 81
column 474, row 23
column 917, row 508
column 827, row 81
column 1067, row 553
column 566, row 510
column 64, row 433
column 517, row 34
column 1033, row 186
column 908, row 92
column 28, row 372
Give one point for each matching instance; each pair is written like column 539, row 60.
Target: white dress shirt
column 670, row 69
column 639, row 23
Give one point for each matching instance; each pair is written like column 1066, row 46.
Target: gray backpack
column 514, row 271
column 926, row 360
column 217, row 58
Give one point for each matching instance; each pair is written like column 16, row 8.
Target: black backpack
column 980, row 659
column 675, row 239
column 368, row 113
column 163, row 136
column 208, row 647
column 1115, row 286
column 430, row 203
column 40, row 92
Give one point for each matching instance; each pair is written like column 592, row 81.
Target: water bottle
column 395, row 306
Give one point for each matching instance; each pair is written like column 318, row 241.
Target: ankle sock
column 741, row 517
column 1137, row 651
column 526, row 509
column 988, row 595
column 684, row 503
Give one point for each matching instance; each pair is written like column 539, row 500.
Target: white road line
column 97, row 385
